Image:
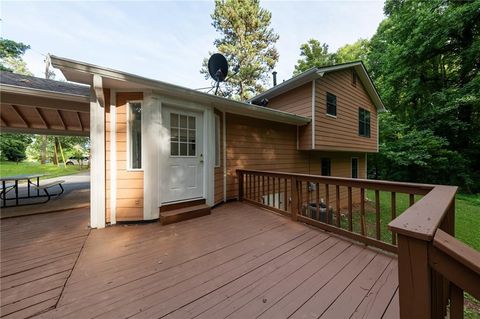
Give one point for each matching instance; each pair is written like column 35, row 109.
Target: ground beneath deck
column 240, row 262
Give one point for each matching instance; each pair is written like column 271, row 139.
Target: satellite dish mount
column 218, row 68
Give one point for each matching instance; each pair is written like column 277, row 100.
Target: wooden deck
column 239, row 262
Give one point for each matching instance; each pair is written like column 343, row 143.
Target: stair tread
column 184, row 210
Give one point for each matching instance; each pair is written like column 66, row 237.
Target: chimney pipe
column 274, row 73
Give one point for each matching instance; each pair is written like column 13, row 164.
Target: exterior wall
column 297, row 101
column 341, row 133
column 265, row 145
column 218, row 180
column 129, row 186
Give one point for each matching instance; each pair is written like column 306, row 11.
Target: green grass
column 50, row 170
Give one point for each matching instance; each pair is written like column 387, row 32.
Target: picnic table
column 15, row 179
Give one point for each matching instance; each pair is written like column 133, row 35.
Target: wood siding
column 297, row 101
column 341, row 133
column 129, row 183
column 264, row 145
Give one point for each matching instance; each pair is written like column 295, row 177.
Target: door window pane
column 183, row 135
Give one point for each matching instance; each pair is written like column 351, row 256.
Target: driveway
column 76, row 195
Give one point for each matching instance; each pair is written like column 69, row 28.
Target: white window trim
column 358, row 167
column 217, row 142
column 129, row 160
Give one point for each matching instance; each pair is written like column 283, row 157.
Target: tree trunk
column 55, row 148
column 43, row 150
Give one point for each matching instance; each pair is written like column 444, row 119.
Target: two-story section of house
column 343, row 105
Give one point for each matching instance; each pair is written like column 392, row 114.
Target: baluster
column 362, row 211
column 337, row 190
column 412, row 199
column 294, row 206
column 327, row 202
column 377, row 214
column 258, row 190
column 268, row 190
column 317, row 202
column 350, row 210
column 394, row 215
column 273, row 190
column 263, row 189
column 300, row 197
column 456, row 302
column 240, row 186
column 285, row 197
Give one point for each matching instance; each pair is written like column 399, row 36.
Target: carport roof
column 41, row 106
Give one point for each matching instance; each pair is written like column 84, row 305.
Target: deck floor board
column 239, row 262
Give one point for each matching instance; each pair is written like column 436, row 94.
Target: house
column 154, row 143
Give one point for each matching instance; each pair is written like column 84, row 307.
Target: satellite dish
column 218, row 67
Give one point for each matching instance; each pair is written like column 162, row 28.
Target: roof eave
column 7, row 88
column 171, row 89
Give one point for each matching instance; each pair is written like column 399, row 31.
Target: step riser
column 170, row 207
column 165, row 220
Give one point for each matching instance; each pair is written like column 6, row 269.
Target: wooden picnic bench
column 46, row 187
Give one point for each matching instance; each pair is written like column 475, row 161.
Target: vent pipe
column 274, row 73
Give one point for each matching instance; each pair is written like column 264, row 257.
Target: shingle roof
column 25, row 81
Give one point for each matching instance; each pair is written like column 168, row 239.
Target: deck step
column 169, row 207
column 184, row 213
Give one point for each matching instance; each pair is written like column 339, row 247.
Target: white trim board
column 113, row 157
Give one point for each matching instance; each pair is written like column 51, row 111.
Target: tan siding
column 265, row 145
column 218, row 179
column 297, row 101
column 341, row 133
column 129, row 183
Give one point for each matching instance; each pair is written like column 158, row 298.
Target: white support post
column 97, row 154
column 209, row 151
column 151, row 130
column 113, row 157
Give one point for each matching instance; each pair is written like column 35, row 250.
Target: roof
column 31, row 82
column 83, row 72
column 318, row 72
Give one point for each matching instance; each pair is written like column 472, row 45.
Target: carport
column 48, row 107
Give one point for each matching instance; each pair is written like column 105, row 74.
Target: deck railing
column 416, row 221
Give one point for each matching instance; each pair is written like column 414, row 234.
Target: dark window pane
column 191, row 122
column 191, row 136
column 174, row 149
column 135, row 127
column 183, row 121
column 183, row 135
column 183, row 149
column 326, row 167
column 191, row 149
column 173, row 120
column 354, row 167
column 331, row 104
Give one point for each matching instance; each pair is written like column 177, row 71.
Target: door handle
column 201, row 158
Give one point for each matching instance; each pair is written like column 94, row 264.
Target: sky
column 167, row 41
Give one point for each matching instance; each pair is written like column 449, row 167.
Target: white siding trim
column 113, row 157
column 209, row 154
column 313, row 114
column 224, row 157
column 97, row 155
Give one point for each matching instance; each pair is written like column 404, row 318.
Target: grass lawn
column 50, row 170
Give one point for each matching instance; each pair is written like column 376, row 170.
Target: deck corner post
column 240, row 185
column 295, row 205
column 414, row 272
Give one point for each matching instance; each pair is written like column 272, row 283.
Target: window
column 326, row 167
column 354, row 167
column 331, row 104
column 134, row 118
column 363, row 122
column 217, row 140
column 183, row 135
column 354, row 78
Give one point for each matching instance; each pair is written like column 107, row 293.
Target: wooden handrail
column 401, row 187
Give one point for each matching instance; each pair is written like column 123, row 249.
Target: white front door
column 184, row 169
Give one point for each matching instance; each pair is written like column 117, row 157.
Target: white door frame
column 162, row 147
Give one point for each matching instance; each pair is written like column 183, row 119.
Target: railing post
column 240, row 185
column 295, row 199
column 414, row 274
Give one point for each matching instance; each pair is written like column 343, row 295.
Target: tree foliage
column 72, row 146
column 247, row 41
column 11, row 56
column 13, row 146
column 425, row 60
column 316, row 54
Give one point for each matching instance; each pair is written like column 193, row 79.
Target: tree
column 247, row 41
column 425, row 60
column 11, row 56
column 13, row 146
column 357, row 51
column 313, row 54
